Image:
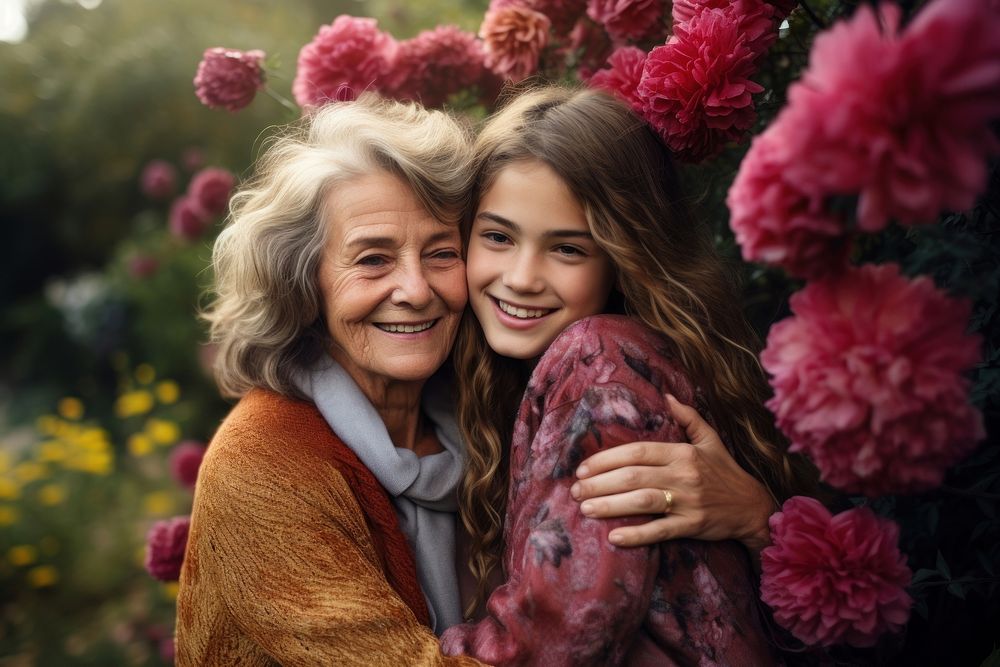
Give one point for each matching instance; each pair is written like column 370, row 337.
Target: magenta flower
column 142, row 266
column 867, row 378
column 628, row 19
column 834, row 579
column 697, row 86
column 185, row 460
column 187, row 220
column 514, row 37
column 778, row 204
column 229, row 79
column 350, row 51
column 622, row 78
column 165, row 544
column 193, row 159
column 437, row 63
column 211, row 189
column 158, row 180
column 756, row 18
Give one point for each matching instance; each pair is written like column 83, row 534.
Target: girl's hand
column 713, row 497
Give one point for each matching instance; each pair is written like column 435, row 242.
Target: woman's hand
column 713, row 498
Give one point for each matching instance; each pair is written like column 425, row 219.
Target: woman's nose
column 412, row 287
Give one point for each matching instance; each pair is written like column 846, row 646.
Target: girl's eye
column 373, row 260
column 570, row 251
column 495, row 237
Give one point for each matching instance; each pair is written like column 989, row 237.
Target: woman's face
column 392, row 281
column 533, row 266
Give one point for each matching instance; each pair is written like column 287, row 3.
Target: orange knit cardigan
column 295, row 556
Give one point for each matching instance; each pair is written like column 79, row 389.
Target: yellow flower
column 9, row 489
column 145, row 374
column 52, row 451
column 70, row 408
column 167, row 392
column 158, row 503
column 29, row 471
column 4, row 461
column 133, row 403
column 163, row 432
column 42, row 576
column 51, row 494
column 140, row 444
column 22, row 554
column 170, row 589
column 8, row 515
column 46, row 424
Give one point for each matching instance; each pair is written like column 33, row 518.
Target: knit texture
column 295, row 556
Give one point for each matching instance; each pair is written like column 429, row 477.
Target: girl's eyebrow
column 552, row 233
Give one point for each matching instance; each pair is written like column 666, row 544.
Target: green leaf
column 957, row 590
column 924, row 574
column 992, row 660
column 942, row 566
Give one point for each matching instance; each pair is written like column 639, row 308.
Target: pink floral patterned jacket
column 570, row 597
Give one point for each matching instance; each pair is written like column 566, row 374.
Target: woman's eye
column 446, row 254
column 372, row 260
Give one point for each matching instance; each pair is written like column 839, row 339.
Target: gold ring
column 669, row 497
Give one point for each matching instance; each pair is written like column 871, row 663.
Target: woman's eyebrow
column 552, row 233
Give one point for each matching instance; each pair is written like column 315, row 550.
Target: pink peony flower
column 158, row 180
column 351, row 51
column 142, row 266
column 622, row 78
column 514, row 38
column 834, row 579
column 437, row 63
column 778, row 209
column 210, row 189
column 185, row 460
column 756, row 18
column 193, row 159
column 697, row 86
column 229, row 79
column 165, row 544
column 187, row 220
column 914, row 111
column 562, row 13
column 867, row 378
column 628, row 19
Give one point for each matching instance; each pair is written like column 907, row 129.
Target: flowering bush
column 627, row 19
column 436, row 64
column 513, row 37
column 834, row 579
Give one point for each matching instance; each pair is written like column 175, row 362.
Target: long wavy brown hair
column 670, row 277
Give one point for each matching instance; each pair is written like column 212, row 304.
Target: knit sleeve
column 287, row 549
column 570, row 597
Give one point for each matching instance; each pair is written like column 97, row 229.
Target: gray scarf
column 422, row 488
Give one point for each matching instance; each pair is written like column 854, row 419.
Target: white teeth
column 405, row 328
column 522, row 313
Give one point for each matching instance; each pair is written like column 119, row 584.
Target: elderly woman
column 340, row 285
column 323, row 529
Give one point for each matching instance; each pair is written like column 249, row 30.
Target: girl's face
column 533, row 266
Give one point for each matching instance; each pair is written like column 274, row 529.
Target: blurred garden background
column 104, row 370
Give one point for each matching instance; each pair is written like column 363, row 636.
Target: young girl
column 586, row 274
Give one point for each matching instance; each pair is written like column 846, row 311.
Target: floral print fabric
column 570, row 597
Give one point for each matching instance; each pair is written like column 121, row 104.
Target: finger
column 697, row 429
column 631, row 454
column 651, row 532
column 631, row 503
column 623, row 480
